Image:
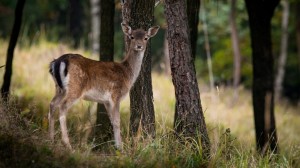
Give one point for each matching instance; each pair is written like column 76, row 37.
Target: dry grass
column 33, row 89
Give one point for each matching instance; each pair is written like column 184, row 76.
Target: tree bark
column 189, row 118
column 126, row 15
column 193, row 7
column 95, row 25
column 141, row 95
column 11, row 47
column 75, row 25
column 103, row 129
column 236, row 50
column 283, row 49
column 260, row 15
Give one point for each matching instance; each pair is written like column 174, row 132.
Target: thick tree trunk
column 141, row 96
column 283, row 49
column 193, row 7
column 260, row 14
column 126, row 15
column 236, row 50
column 189, row 118
column 95, row 25
column 107, row 13
column 75, row 25
column 11, row 47
column 103, row 129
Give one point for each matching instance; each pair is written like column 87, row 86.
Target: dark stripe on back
column 57, row 74
column 67, row 65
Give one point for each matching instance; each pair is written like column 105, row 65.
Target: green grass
column 23, row 125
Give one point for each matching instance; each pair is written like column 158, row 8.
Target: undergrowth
column 24, row 138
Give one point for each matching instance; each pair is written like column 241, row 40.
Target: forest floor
column 24, row 140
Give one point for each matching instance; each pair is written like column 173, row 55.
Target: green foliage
column 223, row 61
column 292, row 72
column 217, row 14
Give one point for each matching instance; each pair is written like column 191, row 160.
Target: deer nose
column 139, row 47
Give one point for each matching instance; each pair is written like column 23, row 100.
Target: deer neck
column 133, row 60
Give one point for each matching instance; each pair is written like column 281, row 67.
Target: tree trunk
column 103, row 129
column 208, row 54
column 260, row 15
column 166, row 55
column 236, row 50
column 126, row 15
column 189, row 118
column 298, row 29
column 141, row 96
column 11, row 47
column 75, row 26
column 283, row 49
column 95, row 25
column 193, row 18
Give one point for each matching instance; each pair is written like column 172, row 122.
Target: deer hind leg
column 65, row 105
column 55, row 102
column 114, row 115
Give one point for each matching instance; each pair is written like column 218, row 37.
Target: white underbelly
column 97, row 96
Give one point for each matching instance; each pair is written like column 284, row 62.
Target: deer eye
column 131, row 37
column 146, row 38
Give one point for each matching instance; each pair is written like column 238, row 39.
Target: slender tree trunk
column 95, row 25
column 236, row 50
column 141, row 96
column 75, row 26
column 103, row 128
column 298, row 29
column 208, row 54
column 189, row 118
column 260, row 15
column 283, row 49
column 11, row 47
column 193, row 7
column 166, row 56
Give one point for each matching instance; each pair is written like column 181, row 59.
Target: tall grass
column 230, row 127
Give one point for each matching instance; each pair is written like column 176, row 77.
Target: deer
column 77, row 77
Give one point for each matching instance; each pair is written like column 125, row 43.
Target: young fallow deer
column 78, row 77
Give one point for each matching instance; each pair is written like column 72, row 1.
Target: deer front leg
column 114, row 115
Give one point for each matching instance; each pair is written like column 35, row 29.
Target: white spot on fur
column 64, row 79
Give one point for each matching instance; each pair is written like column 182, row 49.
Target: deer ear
column 152, row 31
column 126, row 29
